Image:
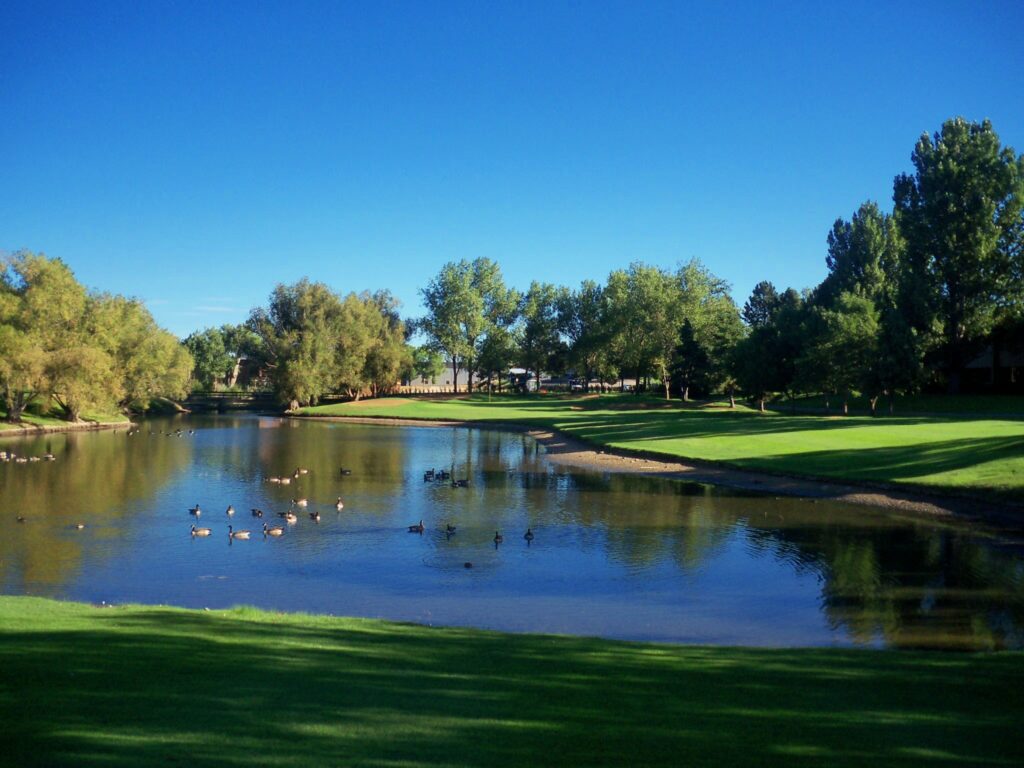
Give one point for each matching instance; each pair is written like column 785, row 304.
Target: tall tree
column 299, row 331
column 211, row 360
column 862, row 253
column 761, row 306
column 960, row 213
column 539, row 340
column 582, row 320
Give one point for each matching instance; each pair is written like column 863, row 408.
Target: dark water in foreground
column 615, row 556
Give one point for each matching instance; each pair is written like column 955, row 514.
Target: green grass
column 55, row 421
column 140, row 686
column 948, row 454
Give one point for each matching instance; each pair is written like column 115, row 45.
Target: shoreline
column 33, row 430
column 564, row 449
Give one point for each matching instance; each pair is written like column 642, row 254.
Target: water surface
column 614, row 555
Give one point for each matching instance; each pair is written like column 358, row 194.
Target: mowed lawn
column 142, row 686
column 981, row 454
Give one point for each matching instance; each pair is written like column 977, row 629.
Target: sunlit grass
column 982, row 455
column 138, row 686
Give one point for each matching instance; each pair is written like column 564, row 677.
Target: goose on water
column 528, row 535
column 300, row 502
column 340, row 505
column 498, row 538
column 291, row 517
column 418, row 528
column 230, row 511
column 276, row 530
column 201, row 531
column 233, row 534
column 195, row 511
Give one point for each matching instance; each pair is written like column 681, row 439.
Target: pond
column 612, row 555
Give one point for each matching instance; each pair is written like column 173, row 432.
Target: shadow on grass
column 130, row 687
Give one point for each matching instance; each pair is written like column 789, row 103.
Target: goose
column 230, row 511
column 20, row 518
column 346, row 471
column 273, row 479
column 314, row 516
column 49, row 457
column 79, row 526
column 449, row 529
column 302, row 471
column 257, row 512
column 528, row 535
column 277, row 530
column 295, row 475
column 201, row 531
column 498, row 538
column 286, row 481
column 418, row 528
column 300, row 502
column 196, row 511
column 291, row 517
column 340, row 505
column 233, row 534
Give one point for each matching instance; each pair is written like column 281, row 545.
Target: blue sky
column 195, row 154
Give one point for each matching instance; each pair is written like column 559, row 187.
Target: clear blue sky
column 195, row 154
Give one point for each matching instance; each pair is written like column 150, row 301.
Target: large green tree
column 539, row 341
column 582, row 320
column 960, row 214
column 211, row 360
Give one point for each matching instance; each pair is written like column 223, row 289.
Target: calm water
column 614, row 555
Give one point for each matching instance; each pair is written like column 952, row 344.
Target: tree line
column 909, row 300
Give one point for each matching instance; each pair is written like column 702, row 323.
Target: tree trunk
column 874, row 404
column 760, row 404
column 536, row 378
column 892, row 405
column 469, row 376
column 732, row 397
column 636, row 384
column 686, row 393
column 455, row 377
column 846, row 407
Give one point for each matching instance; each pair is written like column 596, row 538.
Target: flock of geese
column 8, row 457
column 291, row 517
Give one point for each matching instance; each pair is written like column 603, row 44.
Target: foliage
column 961, row 215
column 87, row 352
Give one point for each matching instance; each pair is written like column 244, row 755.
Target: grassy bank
column 49, row 421
column 979, row 455
column 155, row 686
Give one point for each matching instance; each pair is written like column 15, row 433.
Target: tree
column 644, row 307
column 582, row 316
column 41, row 310
column 211, row 361
column 539, row 341
column 960, row 214
column 761, row 306
column 711, row 326
column 300, row 331
column 844, row 353
column 427, row 363
column 465, row 302
column 387, row 355
column 862, row 253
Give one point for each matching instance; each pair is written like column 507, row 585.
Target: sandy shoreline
column 564, row 449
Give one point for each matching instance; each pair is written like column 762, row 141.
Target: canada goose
column 300, row 502
column 196, row 511
column 230, row 511
column 498, row 538
column 346, row 471
column 528, row 535
column 302, row 471
column 201, row 531
column 273, row 479
column 233, row 534
column 428, row 475
column 449, row 529
column 291, row 517
column 418, row 528
column 340, row 505
column 257, row 512
column 277, row 530
column 79, row 526
column 286, row 481
column 20, row 519
column 467, row 564
column 314, row 516
column 49, row 457
column 295, row 475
